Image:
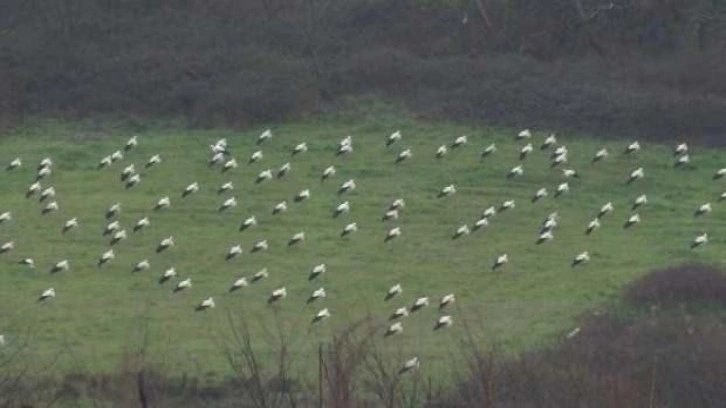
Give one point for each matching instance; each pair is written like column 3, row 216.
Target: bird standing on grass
column 284, row 170
column 600, row 155
column 492, row 148
column 632, row 148
column 404, row 155
column 14, row 164
column 321, row 315
column 581, row 258
column 502, row 260
column 327, row 173
column 233, row 252
column 605, row 209
column 277, row 295
column 317, row 270
column 410, row 365
column 131, row 143
column 447, row 191
column 264, row 136
column 168, row 274
column 443, row 322
column 459, row 141
column 393, row 138
column 441, row 151
column 207, row 303
column 703, row 209
column 541, row 193
column 229, row 165
column 250, row 221
column 32, row 189
column 29, row 262
column 347, row 186
column 302, row 196
column 682, row 161
column 300, row 148
column 141, row 224
column 507, row 205
column 142, row 265
column 256, row 156
column 239, row 283
column 394, row 291
column 118, row 236
column 228, row 186
column 297, row 238
column 461, row 231
column 545, row 236
column 46, row 294
column 562, row 189
column 551, row 140
column 420, row 303
column 640, row 201
column 106, row 257
column 227, row 204
column 279, row 207
column 392, row 234
column 349, row 229
column 164, row 202
column 153, row 160
column 50, row 207
column 113, row 211
column 317, row 294
column 699, row 241
column 127, row 172
column 261, row 245
column 133, row 180
column 524, row 134
column 390, row 215
column 190, row 189
column 183, row 285
column 394, row 328
column 111, row 227
column 62, row 265
column 592, row 226
column 632, row 220
column 165, row 244
column 516, row 171
column 447, row 300
column 259, row 275
column 636, row 174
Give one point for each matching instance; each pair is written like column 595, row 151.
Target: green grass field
column 99, row 313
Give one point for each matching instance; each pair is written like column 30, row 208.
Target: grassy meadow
column 99, row 314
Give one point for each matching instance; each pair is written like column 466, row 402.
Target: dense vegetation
column 648, row 68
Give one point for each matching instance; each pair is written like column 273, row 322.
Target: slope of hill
column 98, row 312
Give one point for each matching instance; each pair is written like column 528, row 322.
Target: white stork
column 392, row 233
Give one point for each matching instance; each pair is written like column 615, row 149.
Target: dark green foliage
column 616, row 67
column 679, row 286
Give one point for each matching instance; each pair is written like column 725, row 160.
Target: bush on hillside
column 679, row 285
column 663, row 361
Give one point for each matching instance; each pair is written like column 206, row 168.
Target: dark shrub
column 669, row 360
column 679, row 285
